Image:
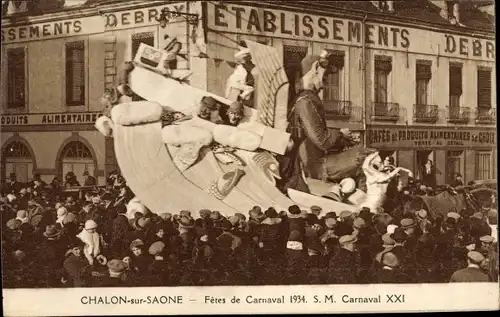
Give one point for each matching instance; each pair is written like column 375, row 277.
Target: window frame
column 76, row 105
column 135, row 35
column 480, row 103
column 7, row 104
column 489, row 171
column 454, row 99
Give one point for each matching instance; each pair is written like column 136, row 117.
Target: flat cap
column 345, row 214
column 407, row 223
column 487, row 239
column 156, row 248
column 453, row 215
column 347, row 239
column 475, row 256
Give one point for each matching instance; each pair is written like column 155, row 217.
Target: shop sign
column 395, row 138
column 51, row 30
column 50, row 119
column 294, row 25
column 143, row 16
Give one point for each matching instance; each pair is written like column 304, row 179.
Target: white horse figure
column 377, row 181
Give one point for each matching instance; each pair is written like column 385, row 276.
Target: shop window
column 455, row 84
column 454, row 164
column 76, row 157
column 16, row 78
column 75, row 73
column 484, row 88
column 147, row 38
column 422, row 79
column 484, row 165
column 17, row 159
column 383, row 68
column 293, row 56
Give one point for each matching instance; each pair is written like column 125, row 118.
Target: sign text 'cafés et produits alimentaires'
column 429, row 138
column 49, row 119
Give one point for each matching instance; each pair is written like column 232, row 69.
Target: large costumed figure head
column 314, row 68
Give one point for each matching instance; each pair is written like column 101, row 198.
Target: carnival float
column 183, row 148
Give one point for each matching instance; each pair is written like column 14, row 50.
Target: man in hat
column 471, row 274
column 71, row 180
column 391, row 272
column 89, row 179
column 12, row 185
column 314, row 141
column 240, row 85
column 343, row 267
column 116, row 274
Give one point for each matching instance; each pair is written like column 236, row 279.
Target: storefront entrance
column 76, row 157
column 17, row 158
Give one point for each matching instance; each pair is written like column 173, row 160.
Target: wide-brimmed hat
column 51, row 232
column 487, row 239
column 186, row 222
column 345, row 214
column 453, row 215
column 422, row 214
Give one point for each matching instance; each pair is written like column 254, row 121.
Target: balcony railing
column 425, row 113
column 485, row 116
column 458, row 114
column 343, row 110
column 386, row 111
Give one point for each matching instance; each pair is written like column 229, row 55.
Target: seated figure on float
column 319, row 152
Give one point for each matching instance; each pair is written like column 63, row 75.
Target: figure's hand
column 290, row 145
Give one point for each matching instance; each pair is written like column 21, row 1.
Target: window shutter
column 75, row 74
column 16, row 78
column 484, row 88
column 455, row 81
column 424, row 71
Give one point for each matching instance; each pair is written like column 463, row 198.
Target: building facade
column 55, row 68
column 413, row 78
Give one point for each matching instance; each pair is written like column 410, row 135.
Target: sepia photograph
column 270, row 156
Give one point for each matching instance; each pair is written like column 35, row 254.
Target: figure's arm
column 317, row 132
column 367, row 169
column 384, row 178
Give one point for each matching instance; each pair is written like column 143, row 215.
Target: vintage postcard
column 248, row 157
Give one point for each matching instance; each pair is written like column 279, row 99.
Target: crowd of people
column 49, row 240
